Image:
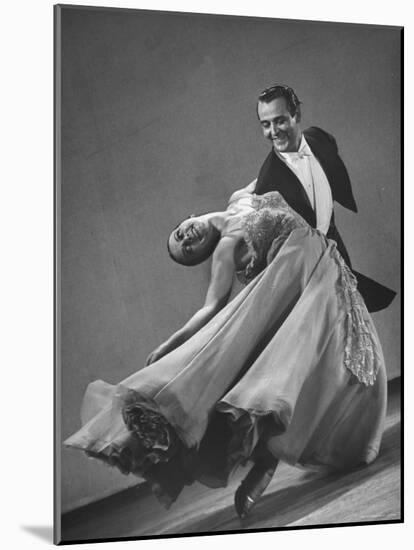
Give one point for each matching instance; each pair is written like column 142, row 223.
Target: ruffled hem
column 151, row 449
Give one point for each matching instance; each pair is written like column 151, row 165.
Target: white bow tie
column 294, row 157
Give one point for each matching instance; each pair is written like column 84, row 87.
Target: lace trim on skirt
column 359, row 345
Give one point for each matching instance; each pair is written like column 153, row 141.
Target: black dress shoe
column 253, row 485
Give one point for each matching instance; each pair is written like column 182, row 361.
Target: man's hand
column 251, row 188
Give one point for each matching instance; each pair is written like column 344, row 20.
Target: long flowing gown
column 294, row 358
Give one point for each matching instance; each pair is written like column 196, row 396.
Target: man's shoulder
column 317, row 134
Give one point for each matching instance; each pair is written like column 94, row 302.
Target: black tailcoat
column 275, row 175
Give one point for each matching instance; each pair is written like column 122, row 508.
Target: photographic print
column 228, row 274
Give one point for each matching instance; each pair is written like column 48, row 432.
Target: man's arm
column 248, row 189
column 325, row 143
column 251, row 187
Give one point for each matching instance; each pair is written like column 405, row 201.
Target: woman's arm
column 222, row 274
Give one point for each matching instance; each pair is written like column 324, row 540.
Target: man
column 305, row 167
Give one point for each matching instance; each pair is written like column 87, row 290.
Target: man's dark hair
column 201, row 257
column 279, row 90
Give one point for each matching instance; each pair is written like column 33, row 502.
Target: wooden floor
column 294, row 498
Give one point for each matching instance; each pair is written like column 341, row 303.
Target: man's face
column 279, row 125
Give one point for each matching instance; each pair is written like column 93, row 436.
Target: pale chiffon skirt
column 291, row 360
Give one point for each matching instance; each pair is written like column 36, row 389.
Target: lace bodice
column 265, row 222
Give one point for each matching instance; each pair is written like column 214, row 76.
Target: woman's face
column 190, row 240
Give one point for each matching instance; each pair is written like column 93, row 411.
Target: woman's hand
column 159, row 352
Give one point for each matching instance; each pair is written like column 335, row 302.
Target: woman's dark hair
column 279, row 90
column 197, row 258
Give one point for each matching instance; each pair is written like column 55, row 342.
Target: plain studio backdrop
column 158, row 121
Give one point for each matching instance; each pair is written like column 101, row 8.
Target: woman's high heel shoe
column 253, row 486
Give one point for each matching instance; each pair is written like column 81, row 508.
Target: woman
column 290, row 369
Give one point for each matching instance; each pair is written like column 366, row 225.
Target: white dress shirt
column 306, row 167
